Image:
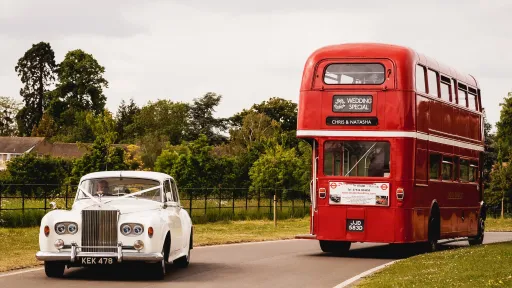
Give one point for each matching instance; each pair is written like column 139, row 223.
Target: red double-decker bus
column 397, row 147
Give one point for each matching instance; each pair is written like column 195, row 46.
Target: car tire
column 158, row 269
column 183, row 261
column 54, row 269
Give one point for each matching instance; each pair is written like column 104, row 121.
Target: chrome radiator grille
column 99, row 229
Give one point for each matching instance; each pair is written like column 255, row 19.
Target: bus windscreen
column 356, row 158
column 354, row 73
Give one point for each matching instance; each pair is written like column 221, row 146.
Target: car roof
column 128, row 174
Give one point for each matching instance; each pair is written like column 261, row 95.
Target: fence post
column 270, row 205
column 190, row 204
column 220, row 200
column 246, row 198
column 23, row 201
column 259, row 198
column 45, row 201
column 275, row 214
column 66, row 195
column 234, row 203
column 205, row 201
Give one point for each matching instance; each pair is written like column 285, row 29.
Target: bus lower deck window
column 356, row 158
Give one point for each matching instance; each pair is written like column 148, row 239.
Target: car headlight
column 66, row 228
column 132, row 229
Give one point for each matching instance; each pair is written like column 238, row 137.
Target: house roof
column 18, row 144
column 67, row 150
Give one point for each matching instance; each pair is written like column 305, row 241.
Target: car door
column 173, row 210
column 184, row 217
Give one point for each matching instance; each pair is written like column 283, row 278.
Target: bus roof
column 401, row 55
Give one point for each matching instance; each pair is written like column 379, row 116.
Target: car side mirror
column 53, row 205
column 168, row 196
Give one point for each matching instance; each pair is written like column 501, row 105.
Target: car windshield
column 115, row 187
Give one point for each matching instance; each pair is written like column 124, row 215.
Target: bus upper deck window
column 355, row 74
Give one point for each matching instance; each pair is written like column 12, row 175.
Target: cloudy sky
column 249, row 51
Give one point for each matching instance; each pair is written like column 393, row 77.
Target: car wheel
column 183, row 261
column 54, row 269
column 158, row 269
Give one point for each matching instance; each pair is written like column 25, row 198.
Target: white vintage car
column 118, row 216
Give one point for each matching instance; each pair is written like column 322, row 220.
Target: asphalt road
column 294, row 263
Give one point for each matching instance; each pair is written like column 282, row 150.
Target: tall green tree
column 490, row 155
column 80, row 86
column 125, row 118
column 36, row 70
column 203, row 122
column 504, row 126
column 102, row 156
column 8, row 110
column 162, row 118
column 281, row 110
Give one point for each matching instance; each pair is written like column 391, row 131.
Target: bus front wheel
column 336, row 247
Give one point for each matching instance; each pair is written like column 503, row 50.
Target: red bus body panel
column 420, row 125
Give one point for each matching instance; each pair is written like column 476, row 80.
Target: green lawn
column 19, row 245
column 476, row 266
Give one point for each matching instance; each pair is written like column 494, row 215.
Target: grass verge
column 498, row 224
column 19, row 245
column 477, row 266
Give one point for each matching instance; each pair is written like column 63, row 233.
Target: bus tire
column 479, row 238
column 336, row 247
column 434, row 230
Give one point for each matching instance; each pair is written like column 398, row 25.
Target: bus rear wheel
column 336, row 247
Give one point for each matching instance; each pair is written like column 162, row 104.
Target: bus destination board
column 352, row 121
column 352, row 103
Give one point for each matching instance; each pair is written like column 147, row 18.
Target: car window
column 175, row 193
column 167, row 188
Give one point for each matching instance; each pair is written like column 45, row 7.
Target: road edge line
column 19, row 271
column 365, row 273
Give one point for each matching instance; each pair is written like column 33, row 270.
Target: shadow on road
column 387, row 251
column 133, row 273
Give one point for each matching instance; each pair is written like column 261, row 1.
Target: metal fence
column 197, row 201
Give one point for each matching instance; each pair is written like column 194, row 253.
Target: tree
column 8, row 110
column 490, row 156
column 282, row 111
column 29, row 169
column 202, row 119
column 195, row 166
column 163, row 118
column 501, row 179
column 256, row 128
column 277, row 170
column 125, row 118
column 100, row 157
column 37, row 71
column 504, row 125
column 81, row 84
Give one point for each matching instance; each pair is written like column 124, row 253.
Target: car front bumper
column 74, row 256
